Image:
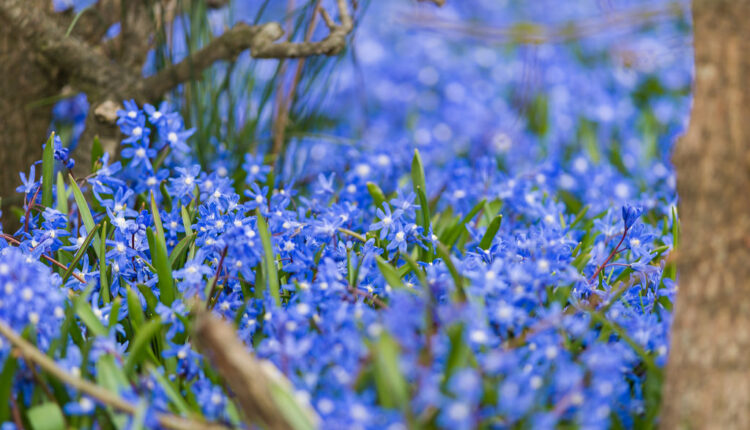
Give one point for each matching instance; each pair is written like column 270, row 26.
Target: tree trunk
column 24, row 79
column 708, row 374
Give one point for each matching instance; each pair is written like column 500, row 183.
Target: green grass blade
column 140, row 344
column 159, row 258
column 48, row 170
column 269, row 260
column 489, row 235
column 80, row 253
column 83, row 208
column 62, row 195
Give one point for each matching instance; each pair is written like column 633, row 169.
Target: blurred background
column 589, row 92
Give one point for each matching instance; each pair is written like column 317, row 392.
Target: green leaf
column 269, row 260
column 390, row 273
column 459, row 352
column 62, row 195
column 80, row 253
column 457, row 279
column 581, row 214
column 391, row 386
column 135, row 311
column 86, row 314
column 424, row 221
column 159, row 258
column 83, row 209
column 297, row 416
column 187, row 223
column 418, row 182
column 103, row 281
column 48, row 170
column 151, row 300
column 489, row 235
column 455, row 232
column 378, row 197
column 96, row 152
column 140, row 344
column 46, row 416
column 6, row 384
column 179, row 250
column 172, row 393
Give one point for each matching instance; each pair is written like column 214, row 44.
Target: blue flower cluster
column 512, row 273
column 514, row 311
column 31, row 297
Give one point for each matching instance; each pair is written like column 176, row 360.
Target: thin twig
column 101, row 394
column 16, row 242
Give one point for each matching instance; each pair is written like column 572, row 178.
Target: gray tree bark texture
column 708, row 374
column 24, row 79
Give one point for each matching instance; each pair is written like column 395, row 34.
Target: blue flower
column 630, row 214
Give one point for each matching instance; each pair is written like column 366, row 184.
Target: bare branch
column 102, row 395
column 253, row 381
column 260, row 40
column 228, row 46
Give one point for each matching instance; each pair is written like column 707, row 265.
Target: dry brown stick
column 250, row 379
column 101, row 394
column 260, row 40
column 282, row 116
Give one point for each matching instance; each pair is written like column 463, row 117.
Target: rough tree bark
column 708, row 374
column 24, row 78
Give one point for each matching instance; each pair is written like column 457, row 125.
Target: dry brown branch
column 250, row 379
column 101, row 394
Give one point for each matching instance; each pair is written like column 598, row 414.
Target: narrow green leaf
column 140, row 344
column 420, row 187
column 86, row 314
column 96, row 152
column 62, row 195
column 417, row 173
column 297, row 416
column 459, row 352
column 48, row 170
column 83, row 209
column 159, row 258
column 46, row 416
column 187, row 223
column 179, row 250
column 6, row 384
column 151, row 300
column 103, row 279
column 457, row 279
column 455, row 232
column 489, row 235
column 135, row 311
column 579, row 217
column 172, row 393
column 390, row 383
column 389, row 273
column 378, row 197
column 80, row 253
column 269, row 260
